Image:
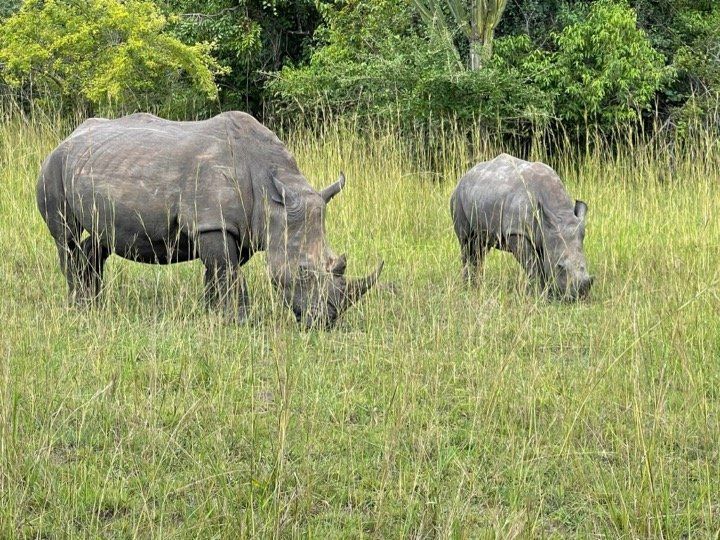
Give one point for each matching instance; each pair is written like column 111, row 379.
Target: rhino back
column 142, row 176
column 500, row 197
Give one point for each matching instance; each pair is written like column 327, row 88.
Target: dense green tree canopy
column 251, row 37
column 569, row 62
column 104, row 52
column 604, row 68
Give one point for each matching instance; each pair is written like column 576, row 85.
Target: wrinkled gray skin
column 522, row 207
column 157, row 191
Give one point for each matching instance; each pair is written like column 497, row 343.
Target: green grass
column 438, row 411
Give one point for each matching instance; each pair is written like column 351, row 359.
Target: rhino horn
column 333, row 189
column 357, row 288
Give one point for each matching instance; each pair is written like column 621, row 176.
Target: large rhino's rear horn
column 333, row 189
column 356, row 288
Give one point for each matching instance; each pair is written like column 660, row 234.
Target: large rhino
column 157, row 191
column 522, row 207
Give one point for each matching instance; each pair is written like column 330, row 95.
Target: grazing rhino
column 156, row 191
column 522, row 207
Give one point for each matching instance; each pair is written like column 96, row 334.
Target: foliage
column 8, row 7
column 604, row 70
column 105, row 53
column 578, row 62
column 500, row 96
column 600, row 70
column 369, row 51
column 375, row 60
column 476, row 21
column 697, row 89
column 251, row 37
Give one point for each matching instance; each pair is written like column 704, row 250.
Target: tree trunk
column 484, row 17
column 487, row 44
column 474, row 37
column 476, row 53
column 475, row 57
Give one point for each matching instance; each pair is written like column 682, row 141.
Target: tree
column 697, row 61
column 604, row 69
column 8, row 7
column 251, row 37
column 477, row 21
column 104, row 53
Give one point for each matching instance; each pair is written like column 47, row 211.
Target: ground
column 433, row 410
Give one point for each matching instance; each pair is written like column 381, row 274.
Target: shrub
column 697, row 89
column 376, row 61
column 104, row 53
column 604, row 69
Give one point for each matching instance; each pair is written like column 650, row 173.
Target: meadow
column 432, row 410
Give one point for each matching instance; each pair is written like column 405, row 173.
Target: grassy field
column 436, row 411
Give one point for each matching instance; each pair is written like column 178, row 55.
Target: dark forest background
column 510, row 66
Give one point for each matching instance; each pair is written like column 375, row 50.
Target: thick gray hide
column 157, row 191
column 522, row 207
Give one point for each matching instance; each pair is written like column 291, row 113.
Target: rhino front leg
column 527, row 255
column 225, row 286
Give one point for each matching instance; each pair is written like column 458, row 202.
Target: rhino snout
column 584, row 286
column 577, row 289
column 571, row 281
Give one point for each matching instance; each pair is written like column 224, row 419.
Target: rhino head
column 564, row 266
column 310, row 277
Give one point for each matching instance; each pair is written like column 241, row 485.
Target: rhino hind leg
column 66, row 231
column 90, row 270
column 225, row 286
column 473, row 249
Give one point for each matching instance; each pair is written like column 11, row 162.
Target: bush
column 104, row 53
column 697, row 89
column 601, row 70
column 376, row 61
column 604, row 70
column 251, row 37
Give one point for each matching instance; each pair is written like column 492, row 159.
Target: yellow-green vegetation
column 104, row 53
column 432, row 410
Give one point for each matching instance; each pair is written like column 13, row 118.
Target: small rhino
column 522, row 207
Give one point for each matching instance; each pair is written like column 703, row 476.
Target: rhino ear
column 283, row 194
column 580, row 209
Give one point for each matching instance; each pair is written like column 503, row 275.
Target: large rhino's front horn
column 356, row 288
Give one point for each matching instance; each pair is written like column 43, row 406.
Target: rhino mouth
column 573, row 293
column 313, row 320
column 333, row 301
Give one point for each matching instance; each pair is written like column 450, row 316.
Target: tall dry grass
column 435, row 411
